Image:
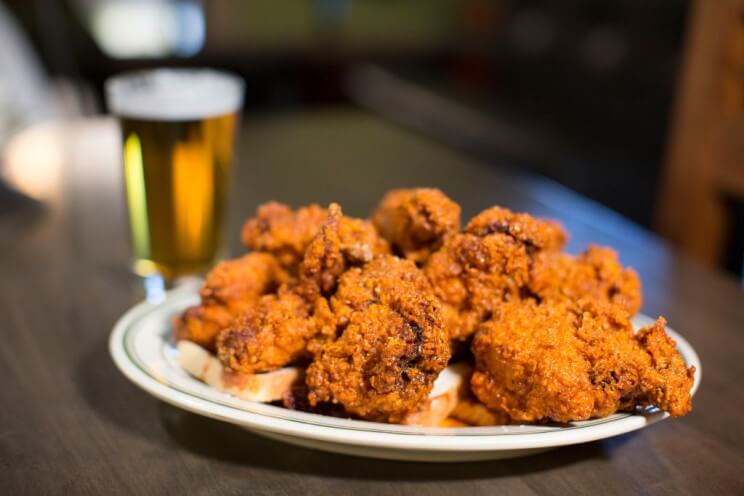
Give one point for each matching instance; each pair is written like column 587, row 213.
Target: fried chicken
column 285, row 233
column 534, row 233
column 564, row 362
column 417, row 221
column 296, row 321
column 392, row 346
column 552, row 339
column 386, row 280
column 488, row 264
column 341, row 243
column 273, row 332
column 230, row 288
column 596, row 273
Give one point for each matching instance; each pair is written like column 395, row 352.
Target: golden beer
column 177, row 179
column 177, row 157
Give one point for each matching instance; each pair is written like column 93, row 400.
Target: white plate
column 142, row 349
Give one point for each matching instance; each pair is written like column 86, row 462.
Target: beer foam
column 174, row 94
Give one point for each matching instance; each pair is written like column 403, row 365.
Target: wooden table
column 70, row 422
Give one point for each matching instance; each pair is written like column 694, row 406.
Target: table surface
column 70, row 422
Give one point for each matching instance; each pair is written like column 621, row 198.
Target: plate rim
column 427, row 439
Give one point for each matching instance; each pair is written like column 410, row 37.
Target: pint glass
column 178, row 131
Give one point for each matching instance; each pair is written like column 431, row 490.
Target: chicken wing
column 273, row 332
column 417, row 221
column 488, row 264
column 534, row 233
column 564, row 362
column 230, row 288
column 392, row 344
column 285, row 233
column 294, row 323
column 341, row 243
column 596, row 273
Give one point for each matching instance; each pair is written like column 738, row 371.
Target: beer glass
column 178, row 128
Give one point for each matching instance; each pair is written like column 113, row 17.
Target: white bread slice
column 266, row 387
column 449, row 389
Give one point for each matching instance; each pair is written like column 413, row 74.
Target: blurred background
column 637, row 105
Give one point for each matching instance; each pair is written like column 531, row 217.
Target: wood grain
column 70, row 423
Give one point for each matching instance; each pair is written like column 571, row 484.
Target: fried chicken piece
column 286, row 233
column 488, row 264
column 535, row 234
column 296, row 322
column 565, row 362
column 273, row 332
column 417, row 221
column 342, row 242
column 230, row 288
column 387, row 280
column 667, row 382
column 596, row 273
column 472, row 275
column 393, row 344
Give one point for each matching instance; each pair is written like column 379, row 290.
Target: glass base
column 155, row 287
column 157, row 281
column 144, row 267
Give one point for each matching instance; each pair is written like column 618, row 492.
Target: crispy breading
column 573, row 361
column 534, row 233
column 666, row 381
column 272, row 333
column 392, row 346
column 596, row 273
column 230, row 288
column 284, row 232
column 416, row 221
column 488, row 264
column 341, row 243
column 295, row 322
column 387, row 280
